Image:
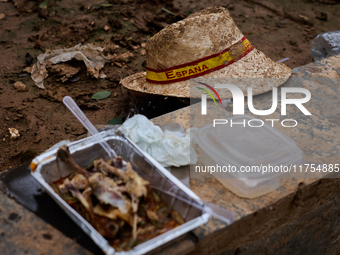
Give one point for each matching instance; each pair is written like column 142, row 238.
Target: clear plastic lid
column 238, row 144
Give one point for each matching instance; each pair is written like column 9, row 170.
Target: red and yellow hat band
column 201, row 66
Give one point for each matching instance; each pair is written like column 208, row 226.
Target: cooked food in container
column 118, row 203
column 127, row 205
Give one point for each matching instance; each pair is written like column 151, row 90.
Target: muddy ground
column 28, row 28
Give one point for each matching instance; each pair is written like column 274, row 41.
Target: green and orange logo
column 209, row 93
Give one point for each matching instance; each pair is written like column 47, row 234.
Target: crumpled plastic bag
column 326, row 45
column 92, row 56
column 168, row 148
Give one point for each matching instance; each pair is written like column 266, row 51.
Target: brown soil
column 278, row 28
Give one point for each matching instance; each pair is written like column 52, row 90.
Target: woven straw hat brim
column 253, row 65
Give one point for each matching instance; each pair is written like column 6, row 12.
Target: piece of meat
column 108, row 192
column 99, row 177
column 113, row 213
column 71, row 188
column 106, row 168
column 117, row 162
column 80, row 181
column 135, row 186
column 106, row 227
column 64, row 155
column 152, row 215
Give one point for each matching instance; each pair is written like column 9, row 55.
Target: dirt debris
column 321, row 16
column 64, row 71
column 20, row 87
column 14, row 133
column 143, row 52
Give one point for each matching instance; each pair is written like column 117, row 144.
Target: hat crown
column 202, row 34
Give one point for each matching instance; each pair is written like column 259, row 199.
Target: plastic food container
column 246, row 147
column 46, row 168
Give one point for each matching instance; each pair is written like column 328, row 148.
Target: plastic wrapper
column 93, row 58
column 326, row 45
column 169, row 148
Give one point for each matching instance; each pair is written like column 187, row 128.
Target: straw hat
column 207, row 44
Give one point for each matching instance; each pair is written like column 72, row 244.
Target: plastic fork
column 73, row 107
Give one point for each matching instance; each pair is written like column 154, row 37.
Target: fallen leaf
column 101, row 94
column 166, row 10
column 2, row 15
column 106, row 5
column 116, row 121
column 43, row 4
